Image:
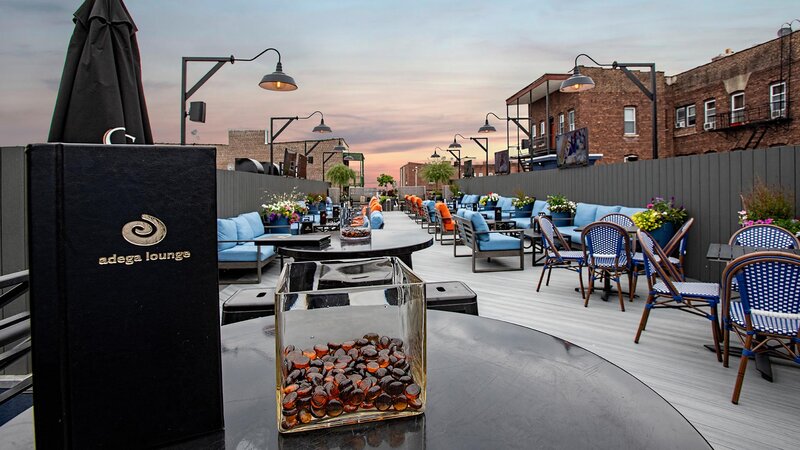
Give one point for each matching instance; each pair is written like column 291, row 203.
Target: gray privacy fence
column 708, row 186
column 239, row 192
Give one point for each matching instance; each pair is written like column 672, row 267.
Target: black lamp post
column 458, row 159
column 436, row 155
column 275, row 81
column 580, row 83
column 485, row 147
column 321, row 128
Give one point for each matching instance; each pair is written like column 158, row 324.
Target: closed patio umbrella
column 101, row 98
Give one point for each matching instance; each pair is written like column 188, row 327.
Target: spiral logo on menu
column 148, row 231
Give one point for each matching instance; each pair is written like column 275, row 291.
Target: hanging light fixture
column 339, row 147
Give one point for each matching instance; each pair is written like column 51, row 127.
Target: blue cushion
column 460, row 212
column 538, row 206
column 479, row 224
column 376, row 220
column 522, row 222
column 569, row 231
column 603, row 210
column 245, row 253
column 505, row 204
column 499, row 242
column 226, row 231
column 584, row 214
column 630, row 211
column 546, row 209
column 243, row 229
column 254, row 219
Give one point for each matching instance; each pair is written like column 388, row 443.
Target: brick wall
column 250, row 144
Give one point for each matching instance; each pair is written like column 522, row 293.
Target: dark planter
column 280, row 221
column 489, row 205
column 525, row 211
column 664, row 233
column 561, row 219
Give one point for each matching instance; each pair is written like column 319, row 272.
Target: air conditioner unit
column 778, row 113
column 681, row 124
column 709, row 126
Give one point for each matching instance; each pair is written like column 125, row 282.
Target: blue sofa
column 474, row 233
column 586, row 213
column 235, row 246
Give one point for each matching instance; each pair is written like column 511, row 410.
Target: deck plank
column 670, row 357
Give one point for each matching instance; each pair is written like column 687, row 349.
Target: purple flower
column 649, row 206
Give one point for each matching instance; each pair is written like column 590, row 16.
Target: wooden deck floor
column 670, row 357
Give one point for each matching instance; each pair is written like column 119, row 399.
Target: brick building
column 250, row 144
column 411, row 175
column 738, row 100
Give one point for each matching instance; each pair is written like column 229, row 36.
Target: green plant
column 487, row 198
column 560, row 203
column 340, row 175
column 385, row 180
column 768, row 202
column 791, row 225
column 659, row 212
column 438, row 172
column 522, row 200
column 314, row 198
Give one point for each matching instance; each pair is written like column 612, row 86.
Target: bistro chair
column 764, row 236
column 671, row 292
column 607, row 252
column 766, row 317
column 619, row 219
column 676, row 244
column 558, row 259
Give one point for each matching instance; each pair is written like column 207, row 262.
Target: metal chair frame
column 470, row 238
column 614, row 270
column 552, row 256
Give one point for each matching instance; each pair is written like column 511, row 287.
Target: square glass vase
column 350, row 343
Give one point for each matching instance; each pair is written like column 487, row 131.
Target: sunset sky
column 394, row 78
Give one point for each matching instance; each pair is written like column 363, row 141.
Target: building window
column 630, row 120
column 685, row 116
column 710, row 114
column 533, row 130
column 737, row 108
column 571, row 120
column 541, row 128
column 561, row 123
column 777, row 100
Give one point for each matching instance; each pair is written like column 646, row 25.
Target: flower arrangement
column 492, row 197
column 284, row 205
column 769, row 205
column 314, row 198
column 560, row 203
column 659, row 211
column 522, row 200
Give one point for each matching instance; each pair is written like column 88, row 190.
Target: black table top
column 383, row 243
column 295, row 240
column 727, row 252
column 491, row 384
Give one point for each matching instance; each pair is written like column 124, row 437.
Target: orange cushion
column 447, row 219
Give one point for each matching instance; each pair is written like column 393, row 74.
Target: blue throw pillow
column 226, row 231
column 538, row 206
column 243, row 229
column 479, row 224
column 376, row 220
column 630, row 211
column 254, row 219
column 584, row 214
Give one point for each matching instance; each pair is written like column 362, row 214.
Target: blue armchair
column 475, row 234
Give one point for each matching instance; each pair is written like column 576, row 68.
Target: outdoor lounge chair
column 445, row 225
column 555, row 258
column 236, row 247
column 766, row 317
column 607, row 252
column 674, row 293
column 475, row 234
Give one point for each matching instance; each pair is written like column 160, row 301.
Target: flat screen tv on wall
column 502, row 164
column 302, row 165
column 572, row 148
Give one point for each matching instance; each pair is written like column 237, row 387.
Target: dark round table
column 491, row 384
column 383, row 243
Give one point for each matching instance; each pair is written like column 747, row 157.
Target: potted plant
column 660, row 219
column 561, row 209
column 281, row 211
column 340, row 175
column 489, row 201
column 769, row 205
column 314, row 203
column 523, row 205
column 438, row 173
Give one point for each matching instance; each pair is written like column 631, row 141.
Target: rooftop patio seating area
column 670, row 359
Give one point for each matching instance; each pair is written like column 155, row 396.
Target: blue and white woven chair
column 764, row 236
column 553, row 257
column 607, row 252
column 766, row 317
column 619, row 219
column 672, row 292
column 676, row 246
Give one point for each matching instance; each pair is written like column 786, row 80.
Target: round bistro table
column 382, row 243
column 491, row 384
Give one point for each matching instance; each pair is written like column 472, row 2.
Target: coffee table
column 383, row 243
